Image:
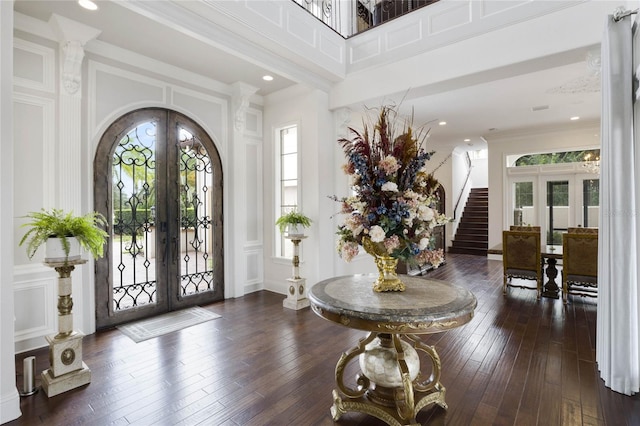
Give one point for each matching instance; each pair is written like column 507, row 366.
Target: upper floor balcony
column 351, row 17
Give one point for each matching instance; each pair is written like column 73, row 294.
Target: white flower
column 376, row 234
column 426, row 213
column 424, row 243
column 390, row 187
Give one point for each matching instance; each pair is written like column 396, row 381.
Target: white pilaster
column 242, row 93
column 72, row 37
column 9, row 399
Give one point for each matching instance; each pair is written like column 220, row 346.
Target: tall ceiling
column 546, row 95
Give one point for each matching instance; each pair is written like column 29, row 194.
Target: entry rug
column 149, row 328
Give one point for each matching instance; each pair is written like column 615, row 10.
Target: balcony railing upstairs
column 351, row 17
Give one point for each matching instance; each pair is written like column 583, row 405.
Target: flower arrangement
column 392, row 212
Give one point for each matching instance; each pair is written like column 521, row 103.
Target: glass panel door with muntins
column 524, row 212
column 558, row 215
column 164, row 207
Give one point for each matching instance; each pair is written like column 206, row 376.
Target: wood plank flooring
column 518, row 362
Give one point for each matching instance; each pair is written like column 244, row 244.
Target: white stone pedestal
column 296, row 294
column 67, row 370
column 297, row 291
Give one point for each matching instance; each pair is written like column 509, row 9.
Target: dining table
column 551, row 253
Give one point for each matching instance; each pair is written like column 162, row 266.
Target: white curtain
column 618, row 319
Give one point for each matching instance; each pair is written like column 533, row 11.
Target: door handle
column 175, row 250
column 164, row 251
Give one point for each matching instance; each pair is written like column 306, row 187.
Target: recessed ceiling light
column 574, row 118
column 442, row 123
column 88, row 4
column 467, row 140
column 267, row 78
column 539, row 108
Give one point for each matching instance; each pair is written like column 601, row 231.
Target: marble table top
column 426, row 306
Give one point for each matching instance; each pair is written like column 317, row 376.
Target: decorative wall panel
column 253, row 189
column 447, row 20
column 113, row 89
column 40, row 317
column 269, row 10
column 253, row 123
column 253, row 269
column 209, row 111
column 33, row 66
column 299, row 30
column 365, row 50
column 491, row 7
column 333, row 48
column 34, row 134
column 403, row 36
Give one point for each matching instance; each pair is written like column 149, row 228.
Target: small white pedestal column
column 67, row 370
column 297, row 291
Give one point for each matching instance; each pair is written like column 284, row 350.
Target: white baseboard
column 10, row 406
column 277, row 286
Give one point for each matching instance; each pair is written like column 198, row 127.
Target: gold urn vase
column 387, row 277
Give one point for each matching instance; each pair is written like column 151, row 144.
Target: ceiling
column 497, row 104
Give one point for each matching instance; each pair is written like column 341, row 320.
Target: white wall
column 480, row 172
column 308, row 108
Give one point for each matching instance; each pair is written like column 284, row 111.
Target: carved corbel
column 72, row 55
column 72, row 37
column 241, row 95
column 343, row 118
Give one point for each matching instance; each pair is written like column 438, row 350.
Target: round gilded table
column 391, row 384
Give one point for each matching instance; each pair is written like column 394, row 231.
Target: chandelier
column 591, row 163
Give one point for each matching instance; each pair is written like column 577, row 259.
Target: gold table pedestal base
column 388, row 415
column 397, row 406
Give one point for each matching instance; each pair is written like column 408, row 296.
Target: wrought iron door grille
column 195, row 168
column 133, row 171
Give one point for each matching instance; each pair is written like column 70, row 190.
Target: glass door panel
column 524, row 212
column 196, row 263
column 558, row 211
column 133, row 206
column 590, row 203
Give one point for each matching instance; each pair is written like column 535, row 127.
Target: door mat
column 149, row 328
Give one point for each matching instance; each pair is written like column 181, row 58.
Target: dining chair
column 581, row 230
column 524, row 228
column 521, row 258
column 579, row 264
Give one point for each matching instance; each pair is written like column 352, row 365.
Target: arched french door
column 158, row 181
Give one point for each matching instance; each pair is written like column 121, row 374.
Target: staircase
column 472, row 235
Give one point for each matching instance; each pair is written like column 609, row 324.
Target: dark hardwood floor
column 518, row 362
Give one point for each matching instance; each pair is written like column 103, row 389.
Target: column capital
column 72, row 37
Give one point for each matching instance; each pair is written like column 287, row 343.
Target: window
column 288, row 195
column 557, row 157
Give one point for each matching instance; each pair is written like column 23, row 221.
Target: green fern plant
column 292, row 218
column 56, row 223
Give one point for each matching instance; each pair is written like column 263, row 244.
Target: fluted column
column 72, row 37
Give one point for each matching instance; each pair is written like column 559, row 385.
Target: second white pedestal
column 296, row 294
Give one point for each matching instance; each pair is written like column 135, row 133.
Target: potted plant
column 293, row 223
column 61, row 231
